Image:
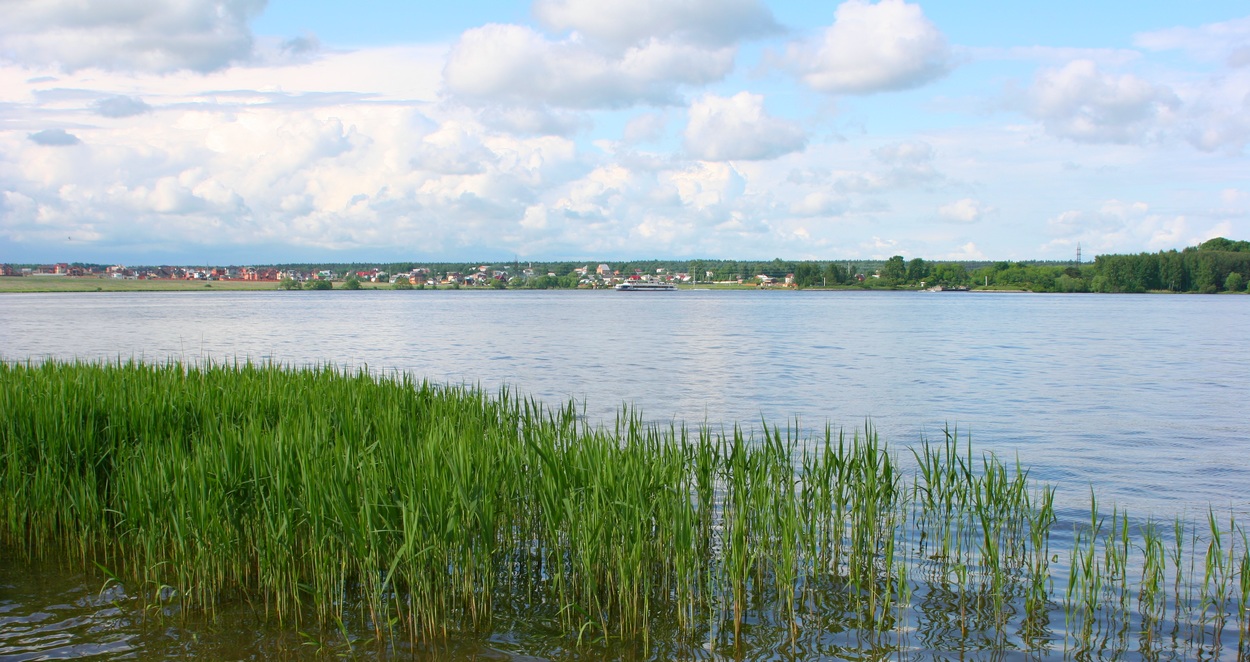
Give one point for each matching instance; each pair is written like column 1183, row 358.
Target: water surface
column 1139, row 398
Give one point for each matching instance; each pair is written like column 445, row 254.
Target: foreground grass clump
column 429, row 510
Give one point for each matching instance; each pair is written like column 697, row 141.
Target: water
column 1140, row 398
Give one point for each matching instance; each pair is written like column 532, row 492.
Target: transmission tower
column 1078, row 252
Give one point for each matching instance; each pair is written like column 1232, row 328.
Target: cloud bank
column 690, row 128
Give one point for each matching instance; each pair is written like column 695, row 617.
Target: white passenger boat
column 645, row 286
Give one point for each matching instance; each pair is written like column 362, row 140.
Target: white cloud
column 1216, row 116
column 909, row 153
column 1235, row 198
column 512, row 64
column 1226, row 41
column 965, row 210
column 331, row 79
column 533, row 121
column 889, row 45
column 737, row 128
column 200, row 35
column 819, row 203
column 376, row 176
column 645, row 127
column 707, row 187
column 1117, row 226
column 1080, row 102
column 907, row 164
column 968, row 251
column 624, row 24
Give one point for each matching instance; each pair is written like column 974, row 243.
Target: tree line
column 1216, row 265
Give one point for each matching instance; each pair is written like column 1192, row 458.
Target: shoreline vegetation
column 421, row 513
column 1216, row 266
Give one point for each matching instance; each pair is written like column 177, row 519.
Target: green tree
column 894, row 269
column 402, row 283
column 318, row 285
column 352, row 283
column 1235, row 282
column 1206, row 274
column 917, row 270
column 806, row 274
column 1172, row 274
column 288, row 283
column 835, row 274
column 949, row 273
column 1227, row 245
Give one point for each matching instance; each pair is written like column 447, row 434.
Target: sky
column 250, row 132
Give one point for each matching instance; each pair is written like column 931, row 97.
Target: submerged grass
column 425, row 512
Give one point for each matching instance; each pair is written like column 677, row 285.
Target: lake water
column 1142, row 398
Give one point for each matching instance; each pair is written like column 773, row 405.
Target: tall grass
column 427, row 511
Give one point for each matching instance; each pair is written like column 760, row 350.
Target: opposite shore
column 1217, row 265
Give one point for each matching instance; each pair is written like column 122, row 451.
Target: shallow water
column 1139, row 398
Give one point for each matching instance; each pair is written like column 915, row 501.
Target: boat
column 645, row 286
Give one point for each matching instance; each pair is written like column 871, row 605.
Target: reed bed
column 426, row 512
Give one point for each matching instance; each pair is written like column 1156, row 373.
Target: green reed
column 427, row 512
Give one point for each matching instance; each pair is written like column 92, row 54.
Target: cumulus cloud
column 453, row 149
column 383, row 177
column 121, row 106
column 1081, row 103
column 516, row 65
column 889, row 45
column 623, row 24
column 200, row 35
column 965, row 210
column 54, row 138
column 1119, row 226
column 737, row 128
column 711, row 190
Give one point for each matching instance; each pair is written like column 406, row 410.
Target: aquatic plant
column 426, row 511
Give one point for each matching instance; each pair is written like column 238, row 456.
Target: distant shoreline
column 71, row 284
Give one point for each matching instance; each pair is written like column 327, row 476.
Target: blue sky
column 245, row 131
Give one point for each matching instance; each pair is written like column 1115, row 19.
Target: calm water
column 1141, row 397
